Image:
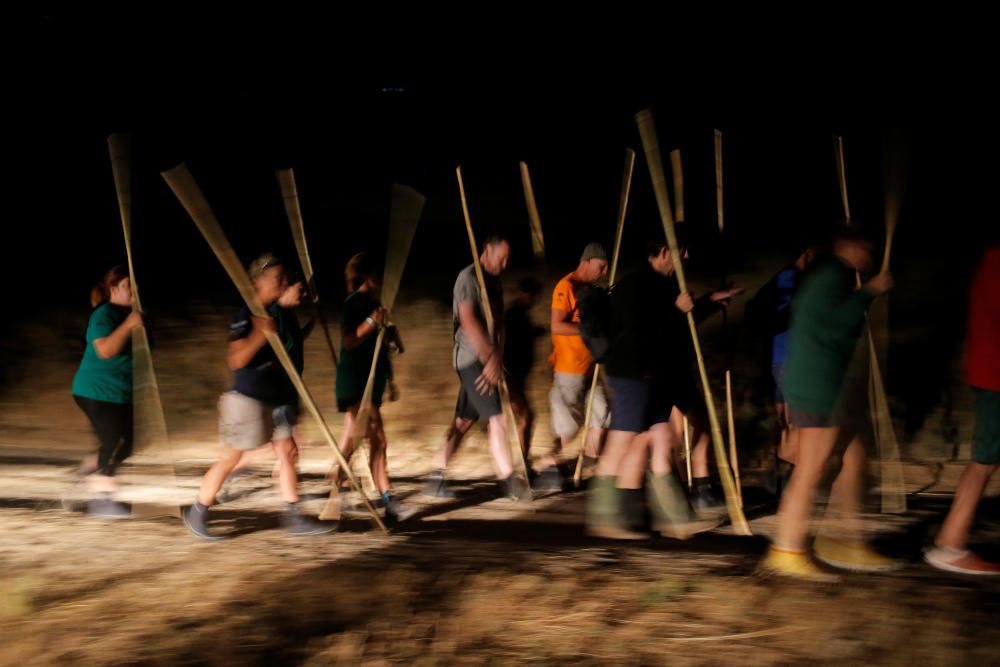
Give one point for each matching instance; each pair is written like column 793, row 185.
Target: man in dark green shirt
column 828, row 316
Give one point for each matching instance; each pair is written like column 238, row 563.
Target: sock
column 385, row 498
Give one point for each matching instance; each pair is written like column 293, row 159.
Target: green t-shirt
column 828, row 314
column 354, row 365
column 110, row 379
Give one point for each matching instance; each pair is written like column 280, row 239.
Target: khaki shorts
column 246, row 423
column 568, row 404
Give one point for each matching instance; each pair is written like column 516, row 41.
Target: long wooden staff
column 290, row 195
column 893, row 483
column 149, row 422
column 622, row 209
column 487, row 308
column 537, row 238
column 647, row 132
column 730, row 418
column 186, row 190
column 407, row 205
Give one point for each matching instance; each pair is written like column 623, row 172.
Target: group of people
column 646, row 388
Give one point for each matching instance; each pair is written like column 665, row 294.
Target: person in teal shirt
column 360, row 322
column 102, row 386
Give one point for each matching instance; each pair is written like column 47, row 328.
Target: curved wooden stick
column 718, row 178
column 893, row 485
column 290, row 196
column 730, row 417
column 622, row 209
column 487, row 309
column 678, row 172
column 647, row 132
column 404, row 214
column 150, row 423
column 186, row 190
column 537, row 238
column 687, row 450
column 838, row 154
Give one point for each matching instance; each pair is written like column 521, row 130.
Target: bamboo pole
column 647, row 131
column 186, row 190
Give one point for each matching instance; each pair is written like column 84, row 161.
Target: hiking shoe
column 196, row 520
column 851, row 556
column 300, row 524
column 961, row 561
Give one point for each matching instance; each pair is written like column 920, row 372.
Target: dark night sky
column 238, row 94
column 238, row 97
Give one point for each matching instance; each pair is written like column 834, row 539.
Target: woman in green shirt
column 102, row 386
column 362, row 318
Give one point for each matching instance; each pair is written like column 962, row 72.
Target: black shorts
column 636, row 405
column 471, row 404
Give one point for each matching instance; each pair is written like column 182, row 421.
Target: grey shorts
column 800, row 419
column 568, row 404
column 246, row 423
column 471, row 404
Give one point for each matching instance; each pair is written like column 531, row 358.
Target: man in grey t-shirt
column 478, row 359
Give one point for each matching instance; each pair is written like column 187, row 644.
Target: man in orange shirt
column 570, row 360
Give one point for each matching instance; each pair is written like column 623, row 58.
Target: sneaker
column 851, row 556
column 437, row 486
column 197, row 522
column 300, row 524
column 105, row 508
column 796, row 565
column 961, row 561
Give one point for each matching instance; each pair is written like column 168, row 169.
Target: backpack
column 594, row 304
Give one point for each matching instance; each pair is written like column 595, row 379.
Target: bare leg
column 848, row 491
column 592, row 446
column 379, row 463
column 954, row 533
column 499, row 451
column 615, row 449
column 797, row 501
column 788, row 446
column 288, row 478
column 216, row 475
column 452, row 440
column 663, row 442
